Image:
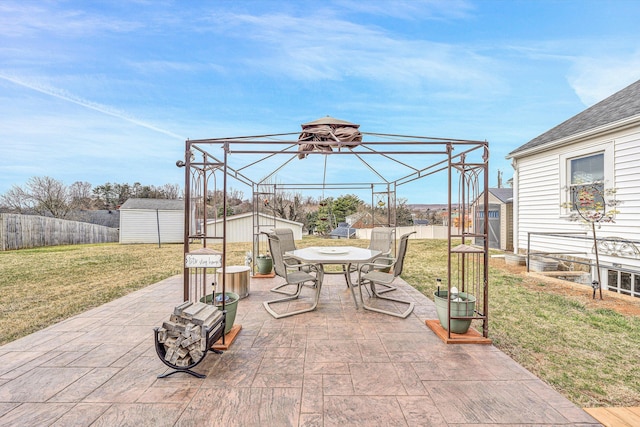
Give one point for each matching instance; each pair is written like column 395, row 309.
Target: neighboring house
column 602, row 143
column 152, row 221
column 240, row 227
column 343, row 231
column 500, row 214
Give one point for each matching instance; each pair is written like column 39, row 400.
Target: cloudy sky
column 108, row 91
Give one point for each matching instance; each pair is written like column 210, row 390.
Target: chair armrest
column 301, row 266
column 377, row 264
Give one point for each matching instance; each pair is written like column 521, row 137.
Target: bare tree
column 288, row 205
column 171, row 191
column 15, row 200
column 80, row 194
column 47, row 196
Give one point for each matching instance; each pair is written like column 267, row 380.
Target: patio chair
column 293, row 275
column 287, row 243
column 373, row 274
column 382, row 239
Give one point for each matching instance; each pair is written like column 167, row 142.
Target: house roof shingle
column 505, row 195
column 621, row 105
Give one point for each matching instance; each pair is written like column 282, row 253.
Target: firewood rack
column 213, row 334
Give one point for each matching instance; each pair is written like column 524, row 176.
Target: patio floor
column 336, row 366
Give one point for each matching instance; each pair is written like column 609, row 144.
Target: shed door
column 494, row 225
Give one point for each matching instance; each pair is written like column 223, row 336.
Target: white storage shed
column 152, row 221
column 240, row 227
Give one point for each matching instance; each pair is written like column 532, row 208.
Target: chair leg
column 280, row 291
column 377, row 294
column 277, row 315
column 388, row 288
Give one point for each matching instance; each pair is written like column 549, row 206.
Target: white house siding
column 538, row 201
column 539, row 198
column 627, row 184
column 141, row 226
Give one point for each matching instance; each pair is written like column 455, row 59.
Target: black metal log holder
column 214, row 333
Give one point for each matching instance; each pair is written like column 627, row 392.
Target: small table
column 237, row 279
column 335, row 255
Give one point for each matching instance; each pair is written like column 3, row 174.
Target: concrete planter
column 463, row 308
column 265, row 264
column 543, row 264
column 515, row 259
column 231, row 306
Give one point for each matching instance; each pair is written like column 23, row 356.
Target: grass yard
column 588, row 352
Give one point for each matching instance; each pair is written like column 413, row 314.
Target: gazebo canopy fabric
column 328, row 132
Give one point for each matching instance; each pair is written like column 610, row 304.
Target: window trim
column 606, row 148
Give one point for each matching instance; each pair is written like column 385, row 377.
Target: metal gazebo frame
column 240, row 158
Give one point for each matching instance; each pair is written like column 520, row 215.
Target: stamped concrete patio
column 336, row 366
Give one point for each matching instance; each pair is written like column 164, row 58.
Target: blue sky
column 109, row 91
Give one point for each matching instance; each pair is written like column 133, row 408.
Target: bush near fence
column 32, row 231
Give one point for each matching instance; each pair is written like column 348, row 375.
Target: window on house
column 623, row 282
column 584, row 172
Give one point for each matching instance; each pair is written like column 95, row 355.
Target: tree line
column 48, row 196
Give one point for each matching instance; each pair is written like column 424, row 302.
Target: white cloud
column 322, row 46
column 66, row 96
column 23, row 19
column 411, row 9
column 595, row 78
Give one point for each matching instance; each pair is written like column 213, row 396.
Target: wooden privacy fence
column 32, row 231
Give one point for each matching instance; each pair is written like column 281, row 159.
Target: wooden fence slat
column 32, row 231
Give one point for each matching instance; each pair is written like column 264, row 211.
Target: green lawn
column 588, row 355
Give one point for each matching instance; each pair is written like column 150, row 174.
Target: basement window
column 623, row 282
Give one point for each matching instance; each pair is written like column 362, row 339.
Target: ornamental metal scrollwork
column 617, row 246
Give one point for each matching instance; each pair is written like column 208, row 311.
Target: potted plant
column 230, row 305
column 265, row 263
column 462, row 305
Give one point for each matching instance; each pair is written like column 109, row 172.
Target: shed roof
column 621, row 105
column 153, row 204
column 505, row 195
column 248, row 214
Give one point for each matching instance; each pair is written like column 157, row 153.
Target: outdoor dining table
column 335, row 255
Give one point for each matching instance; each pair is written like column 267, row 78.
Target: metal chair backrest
column 276, row 254
column 287, row 241
column 402, row 251
column 382, row 239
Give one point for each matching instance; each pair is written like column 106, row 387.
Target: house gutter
column 557, row 143
column 578, row 137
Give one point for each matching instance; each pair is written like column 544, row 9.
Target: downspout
column 516, row 202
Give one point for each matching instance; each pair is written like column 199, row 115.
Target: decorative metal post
column 589, row 205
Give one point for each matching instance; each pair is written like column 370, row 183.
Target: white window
column 623, row 282
column 583, row 166
column 584, row 172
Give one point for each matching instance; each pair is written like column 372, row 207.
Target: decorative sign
column 203, row 260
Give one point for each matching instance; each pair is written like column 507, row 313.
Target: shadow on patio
column 335, row 366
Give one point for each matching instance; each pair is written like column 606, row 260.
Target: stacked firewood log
column 185, row 335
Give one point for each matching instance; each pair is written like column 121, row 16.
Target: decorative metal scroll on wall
column 618, row 247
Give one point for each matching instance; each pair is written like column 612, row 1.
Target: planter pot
column 265, row 265
column 464, row 308
column 543, row 264
column 515, row 259
column 231, row 305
